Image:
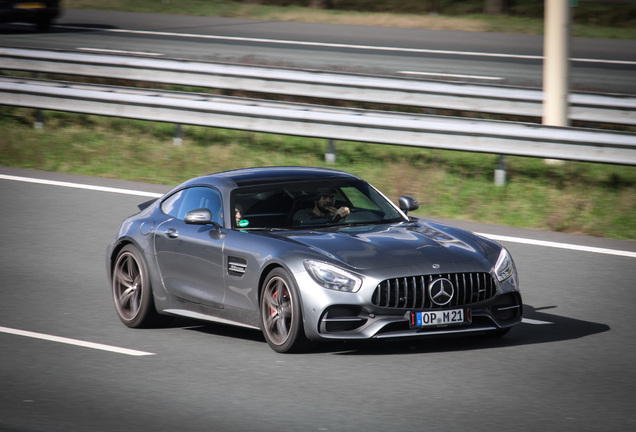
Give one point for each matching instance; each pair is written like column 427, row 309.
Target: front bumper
column 382, row 306
column 354, row 322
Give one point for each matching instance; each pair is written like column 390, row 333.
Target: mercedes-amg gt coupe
column 307, row 254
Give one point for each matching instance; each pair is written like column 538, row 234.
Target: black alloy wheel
column 280, row 313
column 132, row 293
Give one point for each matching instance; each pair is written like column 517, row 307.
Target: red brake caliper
column 272, row 310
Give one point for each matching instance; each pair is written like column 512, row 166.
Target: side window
column 171, row 205
column 202, row 197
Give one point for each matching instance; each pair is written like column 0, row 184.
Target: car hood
column 409, row 244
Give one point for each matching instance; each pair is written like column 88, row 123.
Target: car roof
column 258, row 176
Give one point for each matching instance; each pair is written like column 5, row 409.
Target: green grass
column 583, row 198
column 589, row 19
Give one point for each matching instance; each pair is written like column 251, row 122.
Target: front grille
column 412, row 292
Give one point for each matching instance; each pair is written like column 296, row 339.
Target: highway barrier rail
column 593, row 108
column 450, row 133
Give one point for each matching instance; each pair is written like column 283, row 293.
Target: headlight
column 332, row 277
column 504, row 267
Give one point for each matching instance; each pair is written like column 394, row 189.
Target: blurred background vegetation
column 598, row 18
column 603, row 13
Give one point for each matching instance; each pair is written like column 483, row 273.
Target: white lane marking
column 495, row 237
column 80, row 186
column 75, row 342
column 446, row 75
column 112, row 51
column 535, row 322
column 338, row 45
column 559, row 245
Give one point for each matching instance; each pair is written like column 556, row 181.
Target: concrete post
column 556, row 52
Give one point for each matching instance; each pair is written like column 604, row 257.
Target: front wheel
column 131, row 289
column 280, row 313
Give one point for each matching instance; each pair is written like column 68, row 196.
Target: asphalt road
column 569, row 367
column 599, row 65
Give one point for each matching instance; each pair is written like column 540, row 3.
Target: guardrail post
column 39, row 119
column 500, row 171
column 330, row 156
column 39, row 114
column 178, row 135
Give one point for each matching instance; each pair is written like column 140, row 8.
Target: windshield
column 311, row 204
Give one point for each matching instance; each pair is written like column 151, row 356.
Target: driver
column 324, row 207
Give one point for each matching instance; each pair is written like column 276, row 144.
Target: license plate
column 440, row 318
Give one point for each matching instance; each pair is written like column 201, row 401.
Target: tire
column 132, row 293
column 281, row 316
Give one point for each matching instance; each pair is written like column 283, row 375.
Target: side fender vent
column 236, row 266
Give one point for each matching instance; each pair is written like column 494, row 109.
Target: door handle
column 172, row 233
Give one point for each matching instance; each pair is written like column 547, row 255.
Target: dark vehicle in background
column 41, row 13
column 246, row 247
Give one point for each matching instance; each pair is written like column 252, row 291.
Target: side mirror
column 200, row 216
column 408, row 203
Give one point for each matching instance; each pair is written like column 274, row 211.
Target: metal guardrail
column 360, row 88
column 485, row 136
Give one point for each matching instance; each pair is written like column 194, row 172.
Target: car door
column 190, row 257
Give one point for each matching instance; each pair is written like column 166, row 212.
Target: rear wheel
column 280, row 313
column 131, row 289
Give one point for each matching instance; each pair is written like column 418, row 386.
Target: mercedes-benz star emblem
column 441, row 291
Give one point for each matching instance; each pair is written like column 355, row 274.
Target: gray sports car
column 307, row 254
